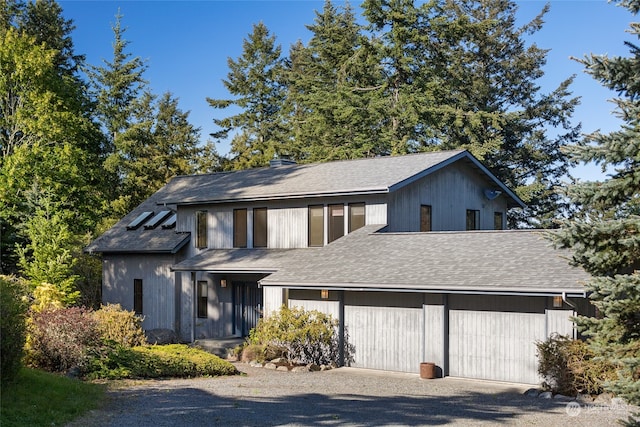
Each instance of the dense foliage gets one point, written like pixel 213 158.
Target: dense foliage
pixel 301 336
pixel 120 326
pixel 569 367
pixel 13 309
pixel 604 233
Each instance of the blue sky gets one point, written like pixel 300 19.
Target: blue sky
pixel 186 45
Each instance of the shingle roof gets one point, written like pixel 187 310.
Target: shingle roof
pixel 514 261
pixel 119 239
pixel 361 176
pixel 243 260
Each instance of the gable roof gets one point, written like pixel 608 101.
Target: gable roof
pixel 375 175
pixel 500 262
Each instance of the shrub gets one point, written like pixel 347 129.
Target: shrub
pixel 569 367
pixel 60 339
pixel 47 296
pixel 13 308
pixel 301 336
pixel 157 361
pixel 119 325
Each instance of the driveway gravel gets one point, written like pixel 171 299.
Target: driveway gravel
pixel 339 397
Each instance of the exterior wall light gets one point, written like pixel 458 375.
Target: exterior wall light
pixel 223 283
pixel 324 294
pixel 557 301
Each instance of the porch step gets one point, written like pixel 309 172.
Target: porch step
pixel 219 346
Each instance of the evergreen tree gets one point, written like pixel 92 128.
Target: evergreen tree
pixel 255 79
pixel 604 234
pixel 488 101
pixel 334 95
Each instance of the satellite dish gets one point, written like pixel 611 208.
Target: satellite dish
pixel 491 194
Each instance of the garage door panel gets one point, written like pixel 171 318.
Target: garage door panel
pixel 494 345
pixel 385 337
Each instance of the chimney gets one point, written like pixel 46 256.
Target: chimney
pixel 281 161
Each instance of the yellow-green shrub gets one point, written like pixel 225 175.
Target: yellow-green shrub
pixel 119 325
pixel 13 308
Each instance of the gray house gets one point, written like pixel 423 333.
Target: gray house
pixel 410 253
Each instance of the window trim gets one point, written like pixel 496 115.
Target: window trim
pixel 240 239
pixel 202 238
pixel 138 296
pixel 264 236
pixel 335 230
pixel 319 208
pixel 423 217
pixel 351 217
pixel 202 309
pixel 495 218
pixel 476 219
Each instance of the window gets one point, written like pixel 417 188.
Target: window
pixel 137 296
pixel 201 229
pixel 203 292
pixel 425 218
pixel 336 222
pixel 356 216
pixel 260 228
pixel 473 219
pixel 497 221
pixel 316 225
pixel 239 228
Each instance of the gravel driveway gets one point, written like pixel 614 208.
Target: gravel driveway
pixel 345 397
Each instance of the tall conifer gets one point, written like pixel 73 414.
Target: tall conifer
pixel 605 231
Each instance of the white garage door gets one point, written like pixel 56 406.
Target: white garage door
pixel 495 345
pixel 386 338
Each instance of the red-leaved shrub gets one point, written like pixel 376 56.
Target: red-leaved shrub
pixel 60 339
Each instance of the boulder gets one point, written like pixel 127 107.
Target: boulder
pixel 545 395
pixel 532 392
pixel 161 336
pixel 300 369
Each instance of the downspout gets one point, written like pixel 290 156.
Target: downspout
pixel 193 307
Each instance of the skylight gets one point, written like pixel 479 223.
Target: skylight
pixel 153 222
pixel 139 220
pixel 171 222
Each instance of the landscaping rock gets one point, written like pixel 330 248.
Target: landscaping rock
pixel 271 365
pixel 300 369
pixel 545 395
pixel 161 336
pixel 562 398
pixel 313 368
pixel 282 368
pixel 73 372
pixel 255 364
pixel 603 399
pixel 532 392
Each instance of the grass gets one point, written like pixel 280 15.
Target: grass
pixel 37 398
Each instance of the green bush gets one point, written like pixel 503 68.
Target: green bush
pixel 569 367
pixel 13 308
pixel 120 326
pixel 157 361
pixel 300 336
pixel 60 339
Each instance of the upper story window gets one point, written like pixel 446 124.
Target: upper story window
pixel 336 222
pixel 201 229
pixel 425 218
pixel 473 219
pixel 498 223
pixel 316 225
pixel 260 227
pixel 137 296
pixel 239 228
pixel 356 216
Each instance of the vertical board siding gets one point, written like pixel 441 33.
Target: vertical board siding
pixel 331 308
pixel 495 345
pixel 450 192
pixel 287 227
pixel 434 334
pixel 272 299
pixel 559 322
pixel 158 291
pixel 386 338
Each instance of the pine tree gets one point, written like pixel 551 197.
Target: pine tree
pixel 605 231
pixel 255 79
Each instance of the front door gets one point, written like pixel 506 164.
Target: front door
pixel 247 307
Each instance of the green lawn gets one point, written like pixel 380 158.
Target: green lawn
pixel 37 398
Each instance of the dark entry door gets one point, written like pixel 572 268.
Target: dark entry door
pixel 247 306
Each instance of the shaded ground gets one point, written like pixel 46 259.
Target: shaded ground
pixel 345 396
